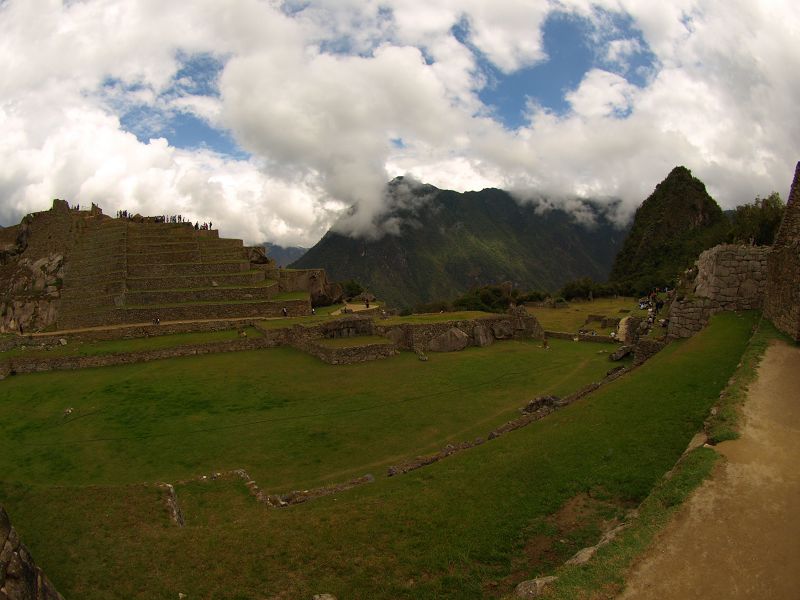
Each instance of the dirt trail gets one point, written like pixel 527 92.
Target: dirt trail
pixel 738 536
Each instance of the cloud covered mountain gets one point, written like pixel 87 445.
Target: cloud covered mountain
pixel 436 244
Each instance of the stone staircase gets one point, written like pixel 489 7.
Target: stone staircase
pixel 127 272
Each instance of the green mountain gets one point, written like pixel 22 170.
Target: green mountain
pixel 670 229
pixel 283 255
pixel 442 243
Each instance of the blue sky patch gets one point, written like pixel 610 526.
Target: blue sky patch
pixel 197 76
pixel 574 46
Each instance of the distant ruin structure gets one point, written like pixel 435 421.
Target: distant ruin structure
pixel 782 302
pixel 67 268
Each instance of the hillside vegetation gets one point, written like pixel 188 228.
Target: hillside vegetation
pixel 670 229
pixel 446 243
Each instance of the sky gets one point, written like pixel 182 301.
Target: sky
pixel 274 119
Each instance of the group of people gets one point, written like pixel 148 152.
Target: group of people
pixel 653 303
pixel 125 214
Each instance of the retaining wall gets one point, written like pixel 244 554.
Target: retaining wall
pixel 728 277
pixel 782 304
pixel 70 363
pixel 517 324
pixel 583 337
pixel 352 354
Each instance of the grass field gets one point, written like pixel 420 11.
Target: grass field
pixel 287 418
pixel 573 317
pixel 470 526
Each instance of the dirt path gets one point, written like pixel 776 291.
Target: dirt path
pixel 738 536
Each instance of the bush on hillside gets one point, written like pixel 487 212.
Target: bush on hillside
pixel 757 223
pixel 487 298
pixel 351 288
pixel 588 288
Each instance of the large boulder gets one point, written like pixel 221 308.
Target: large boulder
pixel 451 340
pixel 503 330
pixel 525 325
pixel 627 330
pixel 482 336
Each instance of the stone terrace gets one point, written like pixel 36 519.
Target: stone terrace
pixel 122 271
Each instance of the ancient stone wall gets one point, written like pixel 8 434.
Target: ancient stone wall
pixel 315 281
pixel 190 312
pixel 32 268
pixel 423 337
pixel 689 315
pixel 121 333
pixel 645 348
pixel 351 354
pixel 734 276
pixel 581 337
pixel 782 303
pixel 726 277
pixel 20 365
pixel 20 577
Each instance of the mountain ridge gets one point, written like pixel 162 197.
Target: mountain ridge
pixel 441 243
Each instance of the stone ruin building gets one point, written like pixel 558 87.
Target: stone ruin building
pixel 736 277
pixel 66 268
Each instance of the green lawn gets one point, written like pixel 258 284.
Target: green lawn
pixel 573 317
pixel 286 417
pixel 129 345
pixel 467 527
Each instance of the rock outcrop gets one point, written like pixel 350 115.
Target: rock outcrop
pixel 451 340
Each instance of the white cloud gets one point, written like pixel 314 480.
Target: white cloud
pixel 317 91
pixel 620 51
pixel 602 94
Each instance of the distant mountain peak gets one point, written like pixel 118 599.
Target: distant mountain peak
pixel 671 227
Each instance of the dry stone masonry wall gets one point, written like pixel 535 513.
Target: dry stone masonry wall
pixel 726 277
pixel 449 336
pixel 782 303
pixel 20 578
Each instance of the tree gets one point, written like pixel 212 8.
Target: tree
pixel 352 288
pixel 757 223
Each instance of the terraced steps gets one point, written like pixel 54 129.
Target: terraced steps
pixel 210 294
pixel 188 268
pixel 243 278
pixel 164 257
pixel 136 272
